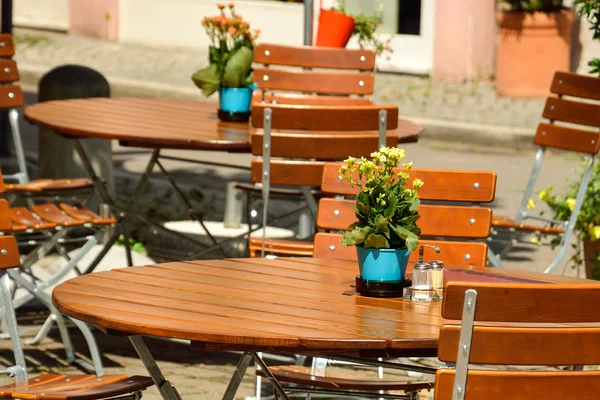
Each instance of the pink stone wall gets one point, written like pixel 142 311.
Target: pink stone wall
pixel 464 43
pixel 94 18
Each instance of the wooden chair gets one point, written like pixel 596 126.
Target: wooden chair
pixel 553 135
pixel 300 139
pixel 458 222
pixel 11 98
pixel 344 75
pixel 524 325
pixel 50 386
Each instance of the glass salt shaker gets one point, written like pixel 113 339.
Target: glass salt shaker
pixel 421 290
pixel 437 279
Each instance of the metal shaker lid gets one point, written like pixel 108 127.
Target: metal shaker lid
pixel 436 264
pixel 422 265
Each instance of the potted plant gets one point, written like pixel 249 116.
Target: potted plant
pixel 230 59
pixel 387 211
pixel 587 227
pixel 336 27
pixel 534 41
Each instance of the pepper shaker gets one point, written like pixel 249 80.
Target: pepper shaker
pixel 437 279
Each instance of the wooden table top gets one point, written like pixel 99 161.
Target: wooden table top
pixel 156 123
pixel 286 304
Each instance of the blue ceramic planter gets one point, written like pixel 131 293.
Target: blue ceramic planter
pixel 382 265
pixel 234 103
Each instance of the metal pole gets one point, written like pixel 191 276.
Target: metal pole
pixel 308 22
pixel 7 16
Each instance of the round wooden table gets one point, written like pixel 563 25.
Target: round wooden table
pixel 285 305
pixel 156 123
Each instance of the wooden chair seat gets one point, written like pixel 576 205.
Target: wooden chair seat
pixel 86 215
pixel 499 221
pixel 75 387
pixel 281 247
pixel 306 376
pixel 50 212
pixel 24 218
pixel 51 185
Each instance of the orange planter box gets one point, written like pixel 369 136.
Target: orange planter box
pixel 531 47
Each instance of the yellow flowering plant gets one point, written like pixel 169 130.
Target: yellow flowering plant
pixel 587 226
pixel 386 209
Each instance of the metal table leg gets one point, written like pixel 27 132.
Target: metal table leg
pixel 276 385
pixel 237 376
pixel 167 391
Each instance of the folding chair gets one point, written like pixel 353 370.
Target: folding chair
pixel 311 136
pixel 508 324
pixel 50 386
pixel 13 99
pixel 465 221
pixel 557 136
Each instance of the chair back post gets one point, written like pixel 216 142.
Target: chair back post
pixel 382 128
pixel 266 155
pixel 19 371
pixel 464 344
pixel 22 176
pixel 583 185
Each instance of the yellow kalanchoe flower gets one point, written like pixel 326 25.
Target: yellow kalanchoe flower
pixel 407 165
pixel 530 203
pixel 418 184
pixel 594 232
pixel 571 203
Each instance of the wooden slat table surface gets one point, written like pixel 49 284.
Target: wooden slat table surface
pixel 286 304
pixel 157 123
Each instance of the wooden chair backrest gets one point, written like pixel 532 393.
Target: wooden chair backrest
pixel 9 251
pixel 7 48
pixel 318 133
pixel 546 336
pixel 359 82
pixel 573 111
pixel 449 221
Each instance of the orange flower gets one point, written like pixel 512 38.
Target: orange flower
pixel 231 5
pixel 232 30
pixel 221 6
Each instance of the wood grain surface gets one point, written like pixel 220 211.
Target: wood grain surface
pixel 296 305
pixel 155 123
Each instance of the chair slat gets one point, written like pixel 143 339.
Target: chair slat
pixel 7 48
pixel 539 303
pixel 569 84
pixel 562 137
pixel 315 82
pixel 310 100
pixel 443 221
pixel 572 111
pixel 8 71
pixel 329 245
pixel 321 146
pixel 524 345
pixel 5 221
pixel 442 185
pixel 11 96
pixel 289 173
pixel 324 118
pixel 314 57
pixel 525 385
pixel 9 256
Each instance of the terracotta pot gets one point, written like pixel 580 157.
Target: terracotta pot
pixel 590 253
pixel 334 30
pixel 531 47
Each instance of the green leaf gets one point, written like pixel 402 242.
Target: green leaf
pixel 207 79
pixel 414 205
pixel 238 67
pixel 411 239
pixel 381 223
pixel 357 236
pixel 391 208
pixel 376 241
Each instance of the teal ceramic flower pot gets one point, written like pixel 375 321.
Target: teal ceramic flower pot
pixel 382 265
pixel 234 103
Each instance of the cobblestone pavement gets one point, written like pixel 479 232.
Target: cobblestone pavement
pixel 449 111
